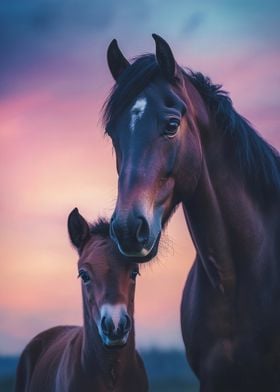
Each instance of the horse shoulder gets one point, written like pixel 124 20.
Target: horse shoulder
pixel 205 315
pixel 188 311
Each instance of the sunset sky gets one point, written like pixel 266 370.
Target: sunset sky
pixel 54 157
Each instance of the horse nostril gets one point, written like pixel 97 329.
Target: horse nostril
pixel 112 230
pixel 130 233
pixel 142 232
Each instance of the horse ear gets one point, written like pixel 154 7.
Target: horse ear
pixel 116 61
pixel 165 58
pixel 78 229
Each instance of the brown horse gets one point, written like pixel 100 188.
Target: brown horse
pixel 101 355
pixel 178 139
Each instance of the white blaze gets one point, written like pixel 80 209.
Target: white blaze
pixel 137 111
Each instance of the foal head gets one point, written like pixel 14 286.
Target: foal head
pixel 152 116
pixel 108 281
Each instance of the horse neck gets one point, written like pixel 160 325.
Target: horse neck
pixel 225 223
pixel 104 364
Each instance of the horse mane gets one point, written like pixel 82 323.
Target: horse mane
pixel 100 227
pixel 257 162
pixel 255 159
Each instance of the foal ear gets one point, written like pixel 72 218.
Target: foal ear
pixel 116 61
pixel 78 229
pixel 165 58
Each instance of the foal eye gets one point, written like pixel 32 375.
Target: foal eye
pixel 84 276
pixel 134 273
pixel 171 127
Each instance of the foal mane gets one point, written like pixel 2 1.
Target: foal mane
pixel 256 161
pixel 100 227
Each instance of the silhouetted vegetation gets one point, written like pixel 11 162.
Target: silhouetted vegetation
pixel 7 384
pixel 168 371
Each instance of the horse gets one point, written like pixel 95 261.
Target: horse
pixel 178 139
pixel 100 355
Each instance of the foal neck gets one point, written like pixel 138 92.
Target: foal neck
pixel 108 366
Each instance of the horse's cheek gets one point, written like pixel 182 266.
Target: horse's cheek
pixel 190 160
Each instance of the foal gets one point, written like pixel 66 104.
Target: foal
pixel 101 355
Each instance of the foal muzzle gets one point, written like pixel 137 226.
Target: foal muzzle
pixel 115 325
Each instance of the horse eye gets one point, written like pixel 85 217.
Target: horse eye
pixel 84 275
pixel 172 127
pixel 134 273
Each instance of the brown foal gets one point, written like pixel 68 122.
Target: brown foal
pixel 100 355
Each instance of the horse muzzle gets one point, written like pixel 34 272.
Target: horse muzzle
pixel 135 237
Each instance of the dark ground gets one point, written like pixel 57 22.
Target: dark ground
pixel 168 371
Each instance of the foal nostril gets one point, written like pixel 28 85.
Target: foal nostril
pixel 142 232
pixel 124 324
pixel 127 324
pixel 107 326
